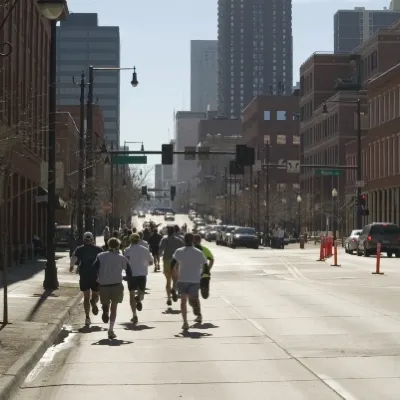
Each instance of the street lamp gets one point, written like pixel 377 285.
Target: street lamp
pixel 334 219
pixel 299 200
pixel 53 10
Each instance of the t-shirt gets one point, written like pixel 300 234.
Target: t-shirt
pixel 169 245
pixel 191 262
pixel 206 251
pixel 86 255
pixel 109 266
pixel 154 241
pixel 139 258
pixel 144 244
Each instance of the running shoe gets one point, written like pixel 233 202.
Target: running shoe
pixel 139 304
pixel 169 302
pixel 95 309
pixel 174 295
pixel 87 321
pixel 199 319
pixel 111 335
pixel 185 326
pixel 135 319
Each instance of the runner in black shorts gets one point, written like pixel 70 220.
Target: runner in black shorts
pixel 154 243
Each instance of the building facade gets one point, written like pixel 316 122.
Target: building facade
pixel 353 27
pixel 203 75
pixel 255 51
pixel 24 77
pixel 81 42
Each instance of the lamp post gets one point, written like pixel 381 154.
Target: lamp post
pixel 89 136
pixel 334 219
pixel 299 200
pixel 53 10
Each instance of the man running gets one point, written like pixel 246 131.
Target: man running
pixel 154 243
pixel 206 274
pixel 85 256
pixel 109 266
pixel 177 231
pixel 187 264
pixel 168 246
pixel 139 258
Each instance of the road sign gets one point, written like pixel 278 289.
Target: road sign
pixel 122 160
pixel 328 172
pixel 293 166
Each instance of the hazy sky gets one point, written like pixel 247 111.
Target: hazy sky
pixel 155 36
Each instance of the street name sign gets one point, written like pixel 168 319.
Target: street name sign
pixel 328 172
pixel 122 160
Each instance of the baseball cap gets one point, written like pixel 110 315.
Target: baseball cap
pixel 88 236
pixel 135 237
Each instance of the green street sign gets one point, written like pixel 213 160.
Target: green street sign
pixel 328 172
pixel 122 160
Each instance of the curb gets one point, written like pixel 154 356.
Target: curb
pixel 14 377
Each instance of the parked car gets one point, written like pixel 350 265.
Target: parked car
pixel 243 237
pixel 169 217
pixel 203 230
pixel 351 242
pixel 64 234
pixel 219 234
pixel 385 233
pixel 141 214
pixel 197 227
pixel 211 233
pixel 227 233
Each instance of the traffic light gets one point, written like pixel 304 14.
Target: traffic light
pixel 167 154
pixel 245 155
pixel 363 201
pixel 173 193
pixel 235 168
pixel 144 190
pixel 357 200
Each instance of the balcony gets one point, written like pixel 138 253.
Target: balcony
pixel 352 83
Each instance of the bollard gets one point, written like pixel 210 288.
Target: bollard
pixel 326 247
pixel 321 250
pixel 330 247
pixel 335 264
pixel 378 260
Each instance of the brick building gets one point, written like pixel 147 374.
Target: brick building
pixel 339 80
pixel 24 89
pixel 380 150
pixel 274 119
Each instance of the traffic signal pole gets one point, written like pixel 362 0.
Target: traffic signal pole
pixel 359 216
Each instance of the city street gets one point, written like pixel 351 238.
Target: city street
pixel 278 325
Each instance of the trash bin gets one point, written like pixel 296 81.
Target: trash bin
pixel 302 242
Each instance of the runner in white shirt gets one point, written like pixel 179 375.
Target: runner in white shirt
pixel 190 263
pixel 143 242
pixel 139 258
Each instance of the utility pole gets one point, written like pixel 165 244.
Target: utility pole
pixel 267 207
pixel 359 175
pixel 251 191
pixel 230 197
pixel 226 196
pixel 258 192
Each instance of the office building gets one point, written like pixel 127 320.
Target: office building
pixel 158 176
pixel 255 51
pixel 353 27
pixel 81 42
pixel 203 75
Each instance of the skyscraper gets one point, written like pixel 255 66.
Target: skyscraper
pixel 203 75
pixel 353 27
pixel 81 42
pixel 254 51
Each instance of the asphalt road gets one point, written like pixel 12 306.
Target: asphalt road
pixel 278 325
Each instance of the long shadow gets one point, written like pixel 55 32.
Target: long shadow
pixel 91 329
pixel 111 342
pixel 42 298
pixel 207 325
pixel 171 311
pixel 193 335
pixel 130 326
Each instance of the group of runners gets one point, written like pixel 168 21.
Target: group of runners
pixel 186 265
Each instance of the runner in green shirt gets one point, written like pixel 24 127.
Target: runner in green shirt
pixel 206 275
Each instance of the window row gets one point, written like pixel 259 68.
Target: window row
pixel 384 108
pixel 327 127
pixel 280 115
pixel 283 139
pixel 329 156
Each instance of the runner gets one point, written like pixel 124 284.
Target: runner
pixel 85 256
pixel 168 246
pixel 109 266
pixel 206 274
pixel 139 258
pixel 187 264
pixel 142 242
pixel 177 231
pixel 154 243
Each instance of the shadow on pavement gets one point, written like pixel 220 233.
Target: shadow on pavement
pixel 109 342
pixel 193 335
pixel 91 329
pixel 207 325
pixel 41 300
pixel 23 272
pixel 130 326
pixel 171 311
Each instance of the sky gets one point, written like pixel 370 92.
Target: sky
pixel 155 37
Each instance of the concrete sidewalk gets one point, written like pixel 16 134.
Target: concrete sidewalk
pixel 36 318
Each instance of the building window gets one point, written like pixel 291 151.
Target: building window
pixel 296 139
pixel 281 115
pixel 267 115
pixel 281 139
pixel 267 139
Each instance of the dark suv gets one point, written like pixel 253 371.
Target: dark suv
pixel 387 234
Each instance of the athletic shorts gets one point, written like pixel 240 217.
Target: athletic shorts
pixel 167 266
pixel 155 252
pixel 192 289
pixel 88 283
pixel 111 293
pixel 137 283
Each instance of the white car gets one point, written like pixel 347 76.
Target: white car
pixel 169 217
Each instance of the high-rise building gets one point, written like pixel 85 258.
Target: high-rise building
pixel 255 51
pixel 203 75
pixel 353 27
pixel 158 176
pixel 81 42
